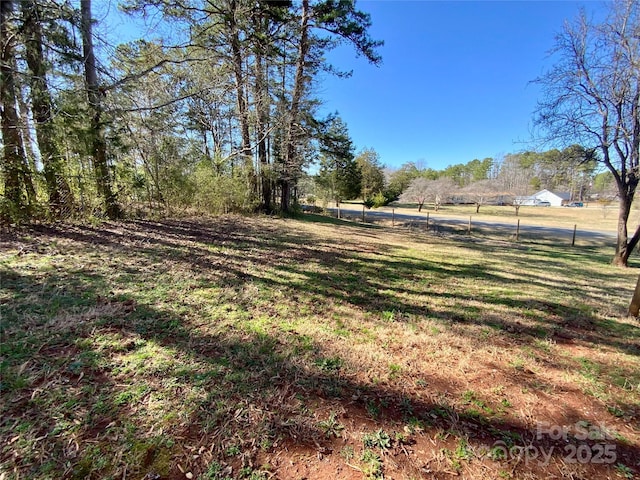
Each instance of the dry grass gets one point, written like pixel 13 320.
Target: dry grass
pixel 266 348
pixel 593 216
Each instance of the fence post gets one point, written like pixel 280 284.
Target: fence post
pixel 363 212
pixel 393 217
pixel 338 211
pixel 469 227
pixel 573 240
pixel 427 221
pixel 518 231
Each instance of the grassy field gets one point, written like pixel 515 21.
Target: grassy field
pixel 256 348
pixel 592 216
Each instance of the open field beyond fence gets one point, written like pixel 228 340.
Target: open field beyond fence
pixel 593 224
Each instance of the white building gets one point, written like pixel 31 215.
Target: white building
pixel 543 196
pixel 555 199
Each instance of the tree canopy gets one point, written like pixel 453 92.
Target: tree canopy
pixel 223 103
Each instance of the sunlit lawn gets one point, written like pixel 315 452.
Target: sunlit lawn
pixel 266 348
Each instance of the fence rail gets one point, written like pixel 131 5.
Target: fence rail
pixel 517 230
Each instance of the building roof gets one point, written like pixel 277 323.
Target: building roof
pixel 561 195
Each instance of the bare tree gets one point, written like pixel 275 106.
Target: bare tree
pixel 481 192
pixel 416 192
pixel 421 189
pixel 441 190
pixel 592 97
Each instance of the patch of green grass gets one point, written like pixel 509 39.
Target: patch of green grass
pixel 233 450
pixel 213 472
pixel 518 363
pixel 615 411
pixel 388 316
pixel 329 365
pixel 589 369
pixel 461 454
pixel 394 370
pixel 462 451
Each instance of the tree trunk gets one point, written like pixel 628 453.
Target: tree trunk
pixel 238 73
pixel 94 95
pixel 634 307
pixel 261 95
pixel 13 161
pixel 28 158
pixel 477 207
pixel 60 199
pixel 296 97
pixel 623 246
pixel 420 207
pixel 23 110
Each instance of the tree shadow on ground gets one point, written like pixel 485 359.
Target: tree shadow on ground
pixel 71 341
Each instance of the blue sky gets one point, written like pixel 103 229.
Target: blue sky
pixel 455 80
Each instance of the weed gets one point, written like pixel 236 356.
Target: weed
pixel 415 425
pixel 589 369
pixel 331 427
pixel 497 453
pixel 373 409
pixel 469 396
pixel 394 370
pixel 266 444
pixel 213 472
pixel 518 363
pixel 400 438
pixel 507 437
pixel 624 471
pixel 372 466
pixel 329 365
pixel 347 453
pixel 233 451
pixel 406 407
pixel 462 450
pixel 378 439
pixel 388 316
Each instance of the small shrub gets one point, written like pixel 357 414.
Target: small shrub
pixel 331 427
pixel 371 464
pixel 379 439
pixel 379 200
